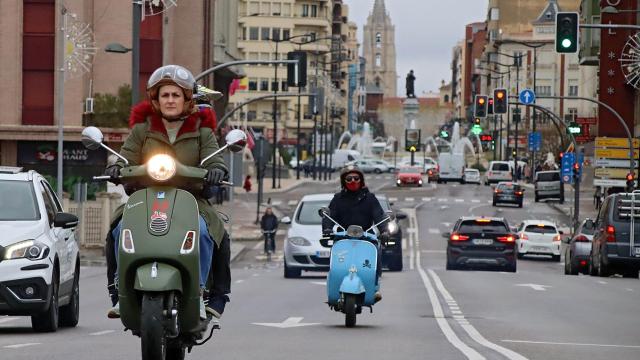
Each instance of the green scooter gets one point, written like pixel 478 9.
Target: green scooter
pixel 158 259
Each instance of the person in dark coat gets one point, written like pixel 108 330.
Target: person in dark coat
pixel 356 205
pixel 269 224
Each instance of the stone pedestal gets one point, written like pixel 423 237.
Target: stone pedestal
pixel 410 109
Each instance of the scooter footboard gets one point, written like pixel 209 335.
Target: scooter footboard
pixel 158 277
pixel 352 270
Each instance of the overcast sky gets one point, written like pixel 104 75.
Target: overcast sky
pixel 426 32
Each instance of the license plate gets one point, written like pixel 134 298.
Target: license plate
pixel 482 241
pixel 539 249
pixel 636 251
pixel 323 254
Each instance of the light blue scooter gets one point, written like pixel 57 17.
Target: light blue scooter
pixel 351 283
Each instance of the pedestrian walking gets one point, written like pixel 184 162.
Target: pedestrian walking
pixel 247 183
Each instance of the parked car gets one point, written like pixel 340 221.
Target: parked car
pixel 508 193
pixel 293 163
pixel 548 186
pixel 40 261
pixel 392 252
pixel 614 249
pixel 498 171
pixel 471 176
pixel 578 249
pixel 373 166
pixel 538 237
pixel 381 162
pixel 481 241
pixel 341 157
pixel 409 176
pixel 302 248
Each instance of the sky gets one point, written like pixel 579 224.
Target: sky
pixel 426 32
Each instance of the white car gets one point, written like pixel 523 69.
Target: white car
pixel 39 256
pixel 471 176
pixel 538 237
pixel 302 248
pixel 374 166
pixel 498 171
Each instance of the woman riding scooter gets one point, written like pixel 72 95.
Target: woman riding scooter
pixel 355 205
pixel 176 127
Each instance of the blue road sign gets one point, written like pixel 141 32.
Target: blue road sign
pixel 535 141
pixel 527 96
pixel 567 168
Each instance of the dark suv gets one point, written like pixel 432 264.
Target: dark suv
pixel 616 240
pixel 481 242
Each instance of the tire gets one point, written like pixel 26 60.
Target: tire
pixel 450 265
pixel 569 269
pixel 520 255
pixel 377 171
pixel 520 204
pixel 70 313
pixel 592 269
pixel 630 274
pixel 513 267
pixel 602 271
pixel 152 337
pixel 175 350
pixel 562 200
pixel 349 310
pixel 555 258
pixel 396 264
pixel 494 203
pixel 463 181
pixel 47 321
pixel 290 273
pixel 536 198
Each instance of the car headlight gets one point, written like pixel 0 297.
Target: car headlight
pixel 399 181
pixel 299 241
pixel 161 167
pixel 420 181
pixel 393 227
pixel 28 249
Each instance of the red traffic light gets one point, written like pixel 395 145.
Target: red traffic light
pixel 629 177
pixel 561 155
pixel 490 101
pixel 576 166
pixel 486 138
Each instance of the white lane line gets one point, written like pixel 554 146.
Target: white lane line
pixel 571 344
pixel 473 333
pixel 412 252
pixel 434 231
pixel 441 320
pixel 276 202
pixel 239 281
pixel 602 282
pixel 475 201
pixel 410 230
pixel 409 199
pixel 8 319
pixel 323 283
pixel 426 199
pixel 391 199
pixel 459 200
pixel 442 200
pixel 255 275
pixel 18 346
pixel 99 333
pixel 292 202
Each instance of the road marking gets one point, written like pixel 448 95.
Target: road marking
pixel 473 333
pixel 602 282
pixel 292 322
pixel 293 202
pixel 239 281
pixel 101 333
pixel 255 275
pixel 276 202
pixel 628 289
pixel 259 245
pixel 409 199
pixel 323 283
pixel 443 207
pixel 434 251
pixel 434 231
pixel 459 200
pixel 442 200
pixel 404 243
pixel 426 199
pixel 8 319
pixel 393 199
pixel 535 286
pixel 446 224
pixel 18 346
pixel 571 344
pixel 475 201
pixel 410 230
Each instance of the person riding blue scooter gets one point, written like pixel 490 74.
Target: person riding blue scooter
pixel 355 254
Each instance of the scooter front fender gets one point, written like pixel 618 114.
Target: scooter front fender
pixel 352 284
pixel 158 277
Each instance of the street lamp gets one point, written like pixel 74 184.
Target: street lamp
pixel 116 48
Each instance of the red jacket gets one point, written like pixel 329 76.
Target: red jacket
pixel 143 110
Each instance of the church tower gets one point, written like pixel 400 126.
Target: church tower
pixel 380 50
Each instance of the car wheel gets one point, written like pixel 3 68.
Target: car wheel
pixel 48 320
pixel 562 200
pixel 290 273
pixel 569 268
pixel 592 269
pixel 520 204
pixel 451 265
pixel 377 171
pixel 494 203
pixel 70 313
pixel 603 270
pixel 396 264
pixel 513 267
pixel 536 198
pixel 555 258
pixel 463 181
pixel 520 255
pixel 630 273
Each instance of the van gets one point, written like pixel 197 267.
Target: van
pixel 343 156
pixel 498 171
pixel 451 167
pixel 548 185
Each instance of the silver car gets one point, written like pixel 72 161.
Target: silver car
pixel 578 249
pixel 302 248
pixel 471 176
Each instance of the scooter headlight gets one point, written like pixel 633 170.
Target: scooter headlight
pixel 161 167
pixel 393 227
pixel 28 249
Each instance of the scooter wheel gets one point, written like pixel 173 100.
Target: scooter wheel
pixel 350 310
pixel 152 337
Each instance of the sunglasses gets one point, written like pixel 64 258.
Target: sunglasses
pixel 352 178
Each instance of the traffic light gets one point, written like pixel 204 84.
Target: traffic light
pixel 630 182
pixel 486 138
pixel 576 171
pixel 514 153
pixel 567 31
pixel 299 78
pixel 476 121
pixel 444 134
pixel 490 107
pixel 481 103
pixel 500 99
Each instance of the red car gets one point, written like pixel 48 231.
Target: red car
pixel 409 176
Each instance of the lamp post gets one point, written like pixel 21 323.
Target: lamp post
pixel 118 48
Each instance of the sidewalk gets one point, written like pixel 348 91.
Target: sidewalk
pixel 587 207
pixel 285 185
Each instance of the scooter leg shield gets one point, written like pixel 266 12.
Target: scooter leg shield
pixel 352 284
pixel 161 278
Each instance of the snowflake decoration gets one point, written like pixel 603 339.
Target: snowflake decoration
pixel 612 55
pixel 155 7
pixel 611 72
pixel 630 61
pixel 611 90
pixel 79 47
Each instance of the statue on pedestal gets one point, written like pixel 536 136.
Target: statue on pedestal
pixel 409 85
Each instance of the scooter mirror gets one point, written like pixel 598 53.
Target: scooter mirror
pixel 323 211
pixel 92 138
pixel 391 215
pixel 236 139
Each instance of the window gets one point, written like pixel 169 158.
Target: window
pixel 48 204
pixel 543 90
pixel 573 113
pixel 275 34
pixel 52 195
pixel 378 40
pixel 314 10
pixel 286 33
pixel 254 8
pixel 253 33
pixel 251 115
pixel 285 86
pixel 264 84
pixel 308 213
pixel 495 14
pixel 573 87
pixel 305 10
pixel 286 9
pixel 274 86
pixel 265 33
pixel 18 201
pixel 253 84
pixel 378 60
pixel 266 8
pixel 275 9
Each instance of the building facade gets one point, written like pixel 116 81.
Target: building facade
pixel 380 51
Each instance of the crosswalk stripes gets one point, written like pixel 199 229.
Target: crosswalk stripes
pixel 434 231
pixel 409 199
pixel 459 200
pixel 426 199
pixel 276 202
pixel 292 202
pixel 475 201
pixel 393 199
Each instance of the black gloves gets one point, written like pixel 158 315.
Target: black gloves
pixel 384 238
pixel 214 177
pixel 113 172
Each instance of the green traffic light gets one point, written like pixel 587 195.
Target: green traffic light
pixel 566 43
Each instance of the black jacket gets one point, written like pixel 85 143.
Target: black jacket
pixel 269 222
pixel 355 208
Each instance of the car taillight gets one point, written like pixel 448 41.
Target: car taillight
pixel 506 239
pixel 498 191
pixel 490 173
pixel 524 236
pixel 458 237
pixel 581 238
pixel 430 172
pixel 518 192
pixel 611 234
pixel 556 238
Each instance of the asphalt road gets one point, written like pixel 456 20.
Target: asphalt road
pixel 426 311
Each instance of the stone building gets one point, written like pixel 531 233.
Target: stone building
pixel 379 50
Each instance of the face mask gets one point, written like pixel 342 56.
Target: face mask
pixel 353 186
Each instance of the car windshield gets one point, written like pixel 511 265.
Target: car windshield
pixel 550 176
pixel 500 167
pixel 18 201
pixel 587 231
pixel 410 171
pixel 538 229
pixel 475 226
pixel 508 187
pixel 308 213
pixel 471 171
